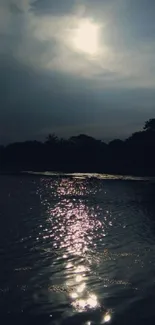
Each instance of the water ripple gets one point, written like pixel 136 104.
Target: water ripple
pixel 79 248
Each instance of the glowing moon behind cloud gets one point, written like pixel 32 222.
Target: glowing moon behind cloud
pixel 86 37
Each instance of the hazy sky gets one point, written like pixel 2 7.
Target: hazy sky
pixel 73 67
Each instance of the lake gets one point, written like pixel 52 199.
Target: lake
pixel 77 249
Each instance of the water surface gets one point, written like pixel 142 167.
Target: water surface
pixel 77 250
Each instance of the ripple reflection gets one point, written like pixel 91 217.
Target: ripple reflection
pixel 75 229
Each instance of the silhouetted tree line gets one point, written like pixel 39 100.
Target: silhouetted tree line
pixel 135 155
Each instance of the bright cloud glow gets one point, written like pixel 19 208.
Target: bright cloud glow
pixel 85 37
pixel 78 43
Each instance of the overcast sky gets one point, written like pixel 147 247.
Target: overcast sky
pixel 49 82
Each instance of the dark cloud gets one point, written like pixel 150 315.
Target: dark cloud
pixel 54 7
pixel 35 104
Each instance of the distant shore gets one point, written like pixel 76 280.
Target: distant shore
pixel 78 175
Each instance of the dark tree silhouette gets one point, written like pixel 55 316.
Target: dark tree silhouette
pixel 117 143
pixel 84 139
pixel 150 125
pixel 83 153
pixel 51 139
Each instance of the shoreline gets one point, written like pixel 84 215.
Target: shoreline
pixel 100 176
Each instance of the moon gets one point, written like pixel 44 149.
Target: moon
pixel 86 37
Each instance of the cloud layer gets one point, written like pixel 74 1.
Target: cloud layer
pixel 46 82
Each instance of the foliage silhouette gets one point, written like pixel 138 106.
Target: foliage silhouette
pixel 150 125
pixel 82 153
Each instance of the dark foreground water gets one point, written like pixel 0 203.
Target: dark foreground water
pixel 76 251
